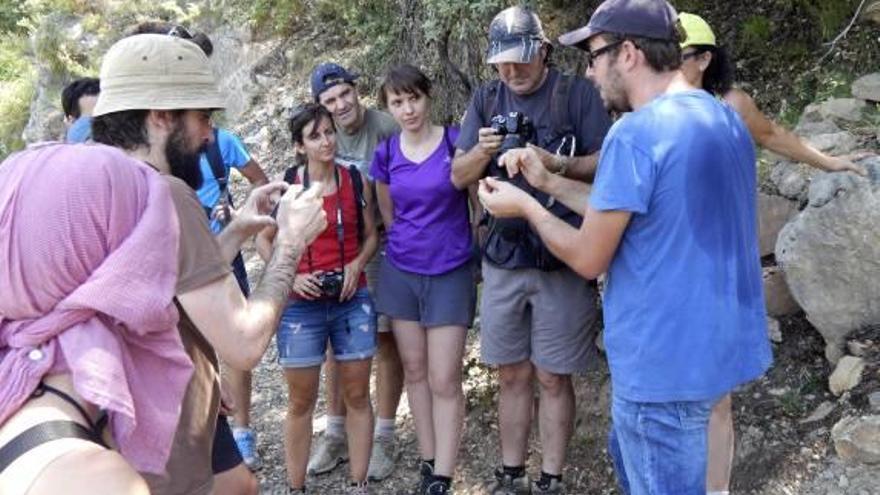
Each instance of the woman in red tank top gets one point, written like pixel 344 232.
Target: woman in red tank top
pixel 330 302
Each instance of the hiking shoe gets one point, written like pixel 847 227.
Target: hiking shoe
pixel 438 487
pixel 330 451
pixel 426 474
pixel 246 441
pixel 359 488
pixel 296 491
pixel 382 458
pixel 506 484
pixel 554 488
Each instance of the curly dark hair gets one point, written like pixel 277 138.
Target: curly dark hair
pixel 86 86
pixel 126 129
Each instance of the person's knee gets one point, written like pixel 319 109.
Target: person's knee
pixel 301 404
pixel 553 384
pixel 357 396
pixel 445 385
pixel 415 372
pixel 516 376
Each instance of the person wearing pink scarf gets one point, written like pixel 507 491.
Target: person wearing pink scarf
pixel 88 267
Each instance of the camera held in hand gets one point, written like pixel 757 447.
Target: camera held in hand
pixel 331 284
pixel 516 129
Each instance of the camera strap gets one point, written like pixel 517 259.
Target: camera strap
pixel 340 229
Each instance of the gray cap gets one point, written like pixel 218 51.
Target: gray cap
pixel 654 19
pixel 515 35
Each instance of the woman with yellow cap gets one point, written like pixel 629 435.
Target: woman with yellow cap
pixel 707 65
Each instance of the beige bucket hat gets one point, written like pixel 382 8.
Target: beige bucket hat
pixel 156 72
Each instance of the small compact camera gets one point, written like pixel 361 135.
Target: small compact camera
pixel 331 284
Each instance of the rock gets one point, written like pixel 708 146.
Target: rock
pixel 857 349
pixel 836 143
pixel 830 254
pixel 867 87
pixel 792 180
pixel 857 440
pixel 847 374
pixel 777 297
pixel 847 109
pixel 773 330
pixel 821 412
pixel 807 129
pixel 872 13
pixel 874 400
pixel 773 213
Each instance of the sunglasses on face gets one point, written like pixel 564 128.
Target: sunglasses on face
pixel 594 55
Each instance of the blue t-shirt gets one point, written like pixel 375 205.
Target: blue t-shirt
pixel 234 156
pixel 684 304
pixel 81 130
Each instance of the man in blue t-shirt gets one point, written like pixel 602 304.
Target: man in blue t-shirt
pixel 534 324
pixel 229 153
pixel 671 219
pixel 78 99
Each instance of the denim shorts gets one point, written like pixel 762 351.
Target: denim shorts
pixel 659 448
pixel 307 326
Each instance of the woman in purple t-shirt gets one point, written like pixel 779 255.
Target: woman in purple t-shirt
pixel 426 283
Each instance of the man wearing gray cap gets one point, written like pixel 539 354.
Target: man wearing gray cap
pixel 157 95
pixel 671 219
pixel 537 317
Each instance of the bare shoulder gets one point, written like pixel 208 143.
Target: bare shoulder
pixel 740 101
pixel 77 471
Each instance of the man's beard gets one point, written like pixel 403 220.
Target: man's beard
pixel 613 95
pixel 184 163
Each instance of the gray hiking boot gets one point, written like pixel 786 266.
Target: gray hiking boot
pixel 382 458
pixel 506 484
pixel 330 451
pixel 555 487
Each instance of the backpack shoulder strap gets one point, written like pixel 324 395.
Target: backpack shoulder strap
pixel 357 183
pixel 490 100
pixel 215 159
pixel 291 174
pixel 560 111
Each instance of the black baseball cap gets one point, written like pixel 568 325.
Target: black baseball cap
pixel 327 75
pixel 515 35
pixel 654 19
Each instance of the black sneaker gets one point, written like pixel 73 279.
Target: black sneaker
pixel 426 471
pixel 438 487
pixel 506 484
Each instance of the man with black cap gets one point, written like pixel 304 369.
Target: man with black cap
pixel 358 130
pixel 537 317
pixel 671 219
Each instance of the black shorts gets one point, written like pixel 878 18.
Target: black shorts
pixel 225 454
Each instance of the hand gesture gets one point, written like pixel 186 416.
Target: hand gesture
pixel 503 199
pixel 845 163
pixel 528 162
pixel 255 214
pixel 301 213
pixel 351 276
pixel 489 142
pixel 306 286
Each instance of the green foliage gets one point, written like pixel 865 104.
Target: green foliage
pixel 11 12
pixel 15 99
pixel 831 15
pixel 756 31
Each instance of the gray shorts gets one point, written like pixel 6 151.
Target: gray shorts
pixel 372 273
pixel 550 318
pixel 431 300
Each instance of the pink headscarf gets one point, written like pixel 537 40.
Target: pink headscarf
pixel 88 267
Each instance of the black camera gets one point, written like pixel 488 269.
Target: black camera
pixel 516 128
pixel 331 284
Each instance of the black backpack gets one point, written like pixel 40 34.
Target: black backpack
pixel 512 243
pixel 357 182
pixel 218 168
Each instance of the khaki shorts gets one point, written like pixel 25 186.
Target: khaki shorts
pixel 550 318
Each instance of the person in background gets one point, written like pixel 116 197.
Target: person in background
pixel 358 130
pixel 77 100
pixel 707 65
pixel 330 301
pixel 426 284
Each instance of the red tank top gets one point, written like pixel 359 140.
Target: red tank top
pixel 323 254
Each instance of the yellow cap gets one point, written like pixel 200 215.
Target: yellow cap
pixel 696 30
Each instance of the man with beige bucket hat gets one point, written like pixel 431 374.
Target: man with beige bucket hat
pixel 157 96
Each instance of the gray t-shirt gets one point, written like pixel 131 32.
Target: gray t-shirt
pixel 357 149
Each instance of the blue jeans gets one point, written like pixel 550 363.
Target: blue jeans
pixel 659 448
pixel 307 326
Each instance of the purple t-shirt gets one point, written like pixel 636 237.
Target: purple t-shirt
pixel 431 233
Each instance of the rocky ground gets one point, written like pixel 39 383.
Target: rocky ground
pixel 783 424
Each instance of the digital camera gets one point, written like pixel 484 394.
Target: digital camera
pixel 331 284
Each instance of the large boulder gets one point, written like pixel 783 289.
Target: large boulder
pixel 845 109
pixel 792 180
pixel 867 87
pixel 857 440
pixel 831 254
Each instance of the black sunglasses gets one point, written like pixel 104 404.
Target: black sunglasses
pixel 592 56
